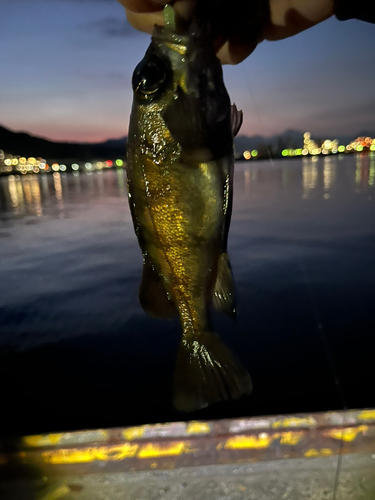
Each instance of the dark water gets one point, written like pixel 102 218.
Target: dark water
pixel 77 351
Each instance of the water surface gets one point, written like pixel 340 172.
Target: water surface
pixel 76 349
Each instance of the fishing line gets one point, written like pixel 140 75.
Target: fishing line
pixel 304 274
pixel 323 336
pixel 321 330
pixel 314 307
pixel 339 463
pixel 333 369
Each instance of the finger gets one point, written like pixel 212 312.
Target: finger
pixel 238 46
pixel 289 17
pixel 234 53
pixel 184 7
pixel 313 11
pixel 295 25
pixel 145 21
pixel 142 5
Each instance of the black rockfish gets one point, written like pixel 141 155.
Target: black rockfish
pixel 180 174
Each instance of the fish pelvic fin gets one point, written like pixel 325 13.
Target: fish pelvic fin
pixel 224 296
pixel 207 372
pixel 152 295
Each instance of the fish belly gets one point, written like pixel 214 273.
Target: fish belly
pixel 180 215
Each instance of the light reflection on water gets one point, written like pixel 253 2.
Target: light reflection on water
pixel 279 207
pixel 47 194
pixel 41 194
pixel 302 247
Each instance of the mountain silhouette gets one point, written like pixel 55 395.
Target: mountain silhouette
pixel 24 144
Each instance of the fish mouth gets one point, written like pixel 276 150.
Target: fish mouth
pixel 167 37
pixel 176 32
pixel 180 34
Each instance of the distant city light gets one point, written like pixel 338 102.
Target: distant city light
pixel 21 165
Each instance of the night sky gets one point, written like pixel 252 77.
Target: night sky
pixel 67 66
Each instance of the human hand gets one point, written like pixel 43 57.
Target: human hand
pixel 237 29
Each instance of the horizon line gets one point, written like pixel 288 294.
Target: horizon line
pixel 62 141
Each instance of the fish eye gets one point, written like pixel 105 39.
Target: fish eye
pixel 149 77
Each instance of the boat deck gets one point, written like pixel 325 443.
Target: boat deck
pixel 307 456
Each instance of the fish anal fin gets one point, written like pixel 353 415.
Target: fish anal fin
pixel 152 295
pixel 207 372
pixel 236 118
pixel 224 297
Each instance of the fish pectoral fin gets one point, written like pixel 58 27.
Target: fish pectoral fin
pixel 201 138
pixel 224 296
pixel 183 119
pixel 207 372
pixel 236 119
pixel 152 295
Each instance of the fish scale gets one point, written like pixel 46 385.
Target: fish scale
pixel 180 176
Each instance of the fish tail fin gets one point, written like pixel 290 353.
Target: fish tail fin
pixel 207 372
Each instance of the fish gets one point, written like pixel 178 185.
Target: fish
pixel 180 160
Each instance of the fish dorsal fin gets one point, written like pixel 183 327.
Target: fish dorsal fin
pixel 236 118
pixel 224 297
pixel 152 295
